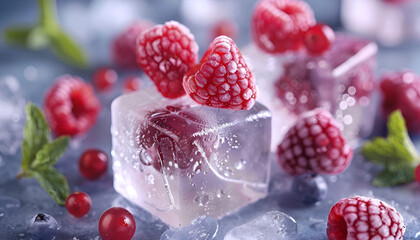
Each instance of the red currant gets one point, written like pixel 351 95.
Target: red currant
pixel 318 38
pixel 93 164
pixel 417 173
pixel 105 79
pixel 117 224
pixel 78 204
pixel 131 83
pixel 225 27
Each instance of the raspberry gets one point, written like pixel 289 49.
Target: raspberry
pixel 166 53
pixel 401 90
pixel 314 144
pixel 169 138
pixel 123 47
pixel 318 38
pixel 131 84
pixel 222 79
pixel 105 79
pixel 224 27
pixel 277 25
pixel 71 106
pixel 363 218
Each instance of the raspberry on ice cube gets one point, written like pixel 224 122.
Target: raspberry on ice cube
pixel 180 160
pixel 340 80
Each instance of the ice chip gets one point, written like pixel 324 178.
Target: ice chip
pixel 273 225
pixel 201 228
pixel 340 80
pixel 179 160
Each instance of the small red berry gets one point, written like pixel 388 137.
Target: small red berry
pixel 363 218
pixel 165 53
pixel 117 224
pixel 131 84
pixel 277 25
pixel 417 173
pixel 223 79
pixel 315 145
pixel 225 28
pixel 71 106
pixel 318 38
pixel 105 79
pixel 93 164
pixel 78 204
pixel 123 48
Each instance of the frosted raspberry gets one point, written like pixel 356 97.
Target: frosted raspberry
pixel 71 106
pixel 277 25
pixel 222 79
pixel 224 27
pixel 166 53
pixel 314 144
pixel 123 47
pixel 363 218
pixel 401 90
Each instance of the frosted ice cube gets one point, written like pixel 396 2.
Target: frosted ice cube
pixel 11 115
pixel 201 228
pixel 179 160
pixel 340 80
pixel 390 23
pixel 274 225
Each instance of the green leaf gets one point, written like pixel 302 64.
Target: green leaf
pixel 34 38
pixel 51 152
pixel 47 15
pixel 396 153
pixel 35 134
pixel 67 49
pixel 387 178
pixel 54 183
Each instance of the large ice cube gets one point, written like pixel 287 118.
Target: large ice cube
pixel 201 228
pixel 340 80
pixel 179 160
pixel 271 225
pixel 392 23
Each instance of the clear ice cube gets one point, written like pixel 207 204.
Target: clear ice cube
pixel 11 115
pixel 390 23
pixel 201 228
pixel 179 160
pixel 340 80
pixel 274 225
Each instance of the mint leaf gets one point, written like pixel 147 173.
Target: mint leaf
pixel 47 15
pixel 387 177
pixel 51 152
pixel 67 49
pixel 54 183
pixel 396 153
pixel 35 134
pixel 17 35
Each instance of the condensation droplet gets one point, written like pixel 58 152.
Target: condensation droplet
pixel 220 193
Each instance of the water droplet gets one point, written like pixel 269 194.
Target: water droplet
pixel 228 172
pixel 9 202
pixel 150 179
pixel 220 193
pixel 240 164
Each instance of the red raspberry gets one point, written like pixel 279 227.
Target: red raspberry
pixel 318 38
pixel 363 218
pixel 314 144
pixel 71 106
pixel 169 138
pixel 417 173
pixel 277 25
pixel 123 47
pixel 225 28
pixel 401 90
pixel 222 79
pixel 131 83
pixel 166 53
pixel 105 79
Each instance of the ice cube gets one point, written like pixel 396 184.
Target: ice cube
pixel 340 80
pixel 271 225
pixel 201 228
pixel 392 23
pixel 179 160
pixel 11 115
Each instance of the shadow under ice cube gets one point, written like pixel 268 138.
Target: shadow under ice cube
pixel 179 160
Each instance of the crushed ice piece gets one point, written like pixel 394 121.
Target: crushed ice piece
pixel 201 228
pixel 274 225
